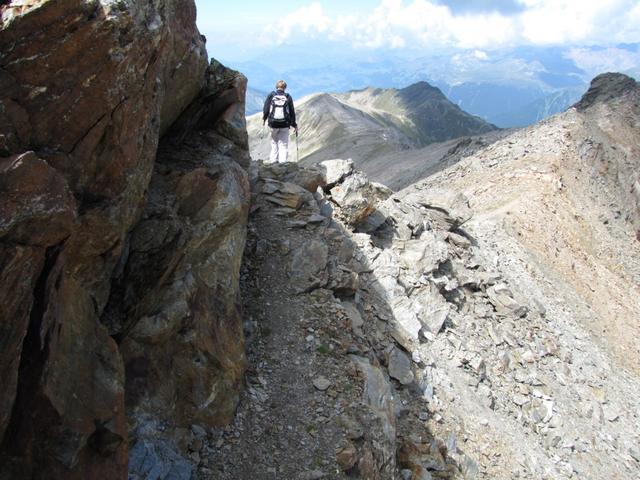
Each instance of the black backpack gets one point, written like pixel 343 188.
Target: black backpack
pixel 279 114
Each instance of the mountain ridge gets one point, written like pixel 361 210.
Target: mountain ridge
pixel 370 123
pixel 491 304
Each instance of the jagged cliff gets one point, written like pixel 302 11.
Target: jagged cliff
pixel 122 225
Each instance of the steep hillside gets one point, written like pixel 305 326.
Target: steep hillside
pixel 371 123
pixel 554 210
pixel 398 170
pixel 254 101
pixel 567 193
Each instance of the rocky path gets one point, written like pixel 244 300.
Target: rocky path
pixel 287 423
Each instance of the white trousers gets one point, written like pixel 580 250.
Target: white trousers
pixel 279 145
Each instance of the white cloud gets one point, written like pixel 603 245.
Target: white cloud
pixel 572 21
pixel 309 21
pixel 595 62
pixel 427 24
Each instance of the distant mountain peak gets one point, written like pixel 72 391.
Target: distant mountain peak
pixel 605 88
pixel 421 85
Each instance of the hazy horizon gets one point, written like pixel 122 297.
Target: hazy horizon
pixel 533 51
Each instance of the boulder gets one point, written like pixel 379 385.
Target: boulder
pixel 357 196
pixel 310 177
pixel 448 209
pixel 174 307
pixel 405 322
pixel 378 448
pixel 422 255
pixel 308 269
pixel 335 171
pixel 400 366
pixel 286 194
pixel 343 281
pixel 502 299
pixel 351 197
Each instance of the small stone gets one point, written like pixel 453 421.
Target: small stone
pixel 297 224
pixel 520 400
pixel 423 416
pixel 406 474
pixel 548 405
pixel 427 393
pixel 321 383
pixel 336 170
pixel 400 367
pixel 610 413
pixel 416 357
pixel 528 357
pixel 479 366
pixel 198 431
pixel 347 457
pixel 315 218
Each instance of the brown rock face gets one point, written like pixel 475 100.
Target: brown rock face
pixel 175 305
pixel 88 291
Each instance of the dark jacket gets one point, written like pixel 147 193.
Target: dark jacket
pixel 267 108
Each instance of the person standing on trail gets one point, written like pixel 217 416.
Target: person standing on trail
pixel 278 110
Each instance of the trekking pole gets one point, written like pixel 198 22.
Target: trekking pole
pixel 297 149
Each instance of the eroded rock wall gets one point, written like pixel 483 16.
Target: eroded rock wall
pixel 87 89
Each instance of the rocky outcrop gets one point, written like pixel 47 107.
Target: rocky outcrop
pixel 607 87
pixel 119 269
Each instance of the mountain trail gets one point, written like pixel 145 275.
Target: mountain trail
pixel 298 383
pixel 329 394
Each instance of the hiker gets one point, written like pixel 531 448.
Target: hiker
pixel 278 110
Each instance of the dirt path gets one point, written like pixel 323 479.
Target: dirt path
pixel 286 428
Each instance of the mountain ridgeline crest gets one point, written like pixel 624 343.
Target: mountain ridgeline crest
pixel 370 123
